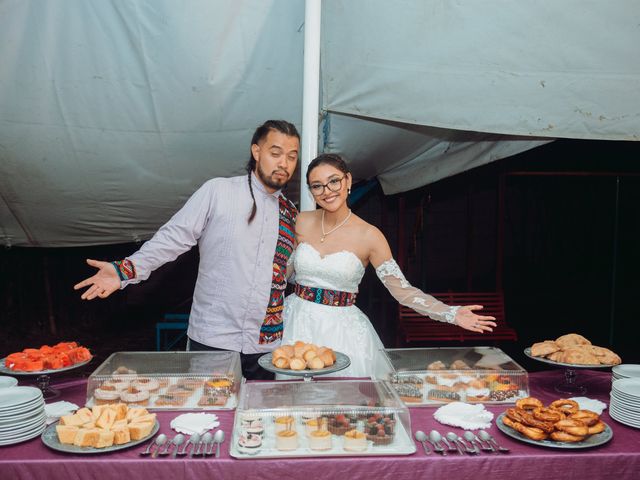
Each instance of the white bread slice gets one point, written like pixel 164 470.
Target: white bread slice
pixel 119 423
pixel 86 415
pixel 105 439
pixel 136 412
pixel 107 417
pixel 66 433
pixel 121 410
pixel 149 417
pixel 71 419
pixel 140 430
pixel 86 437
pixel 121 435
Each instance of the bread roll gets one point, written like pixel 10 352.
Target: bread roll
pixel 297 364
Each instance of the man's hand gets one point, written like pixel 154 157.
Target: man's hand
pixel 102 284
pixel 468 320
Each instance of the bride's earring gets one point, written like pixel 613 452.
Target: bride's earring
pixel 348 191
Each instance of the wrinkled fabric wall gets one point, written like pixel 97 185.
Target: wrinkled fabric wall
pixel 544 68
pixel 112 112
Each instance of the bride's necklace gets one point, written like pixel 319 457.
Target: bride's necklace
pixel 324 234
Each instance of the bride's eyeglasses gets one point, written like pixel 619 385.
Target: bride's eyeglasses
pixel 333 185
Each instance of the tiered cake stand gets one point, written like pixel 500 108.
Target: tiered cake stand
pixel 569 385
pixel 43 377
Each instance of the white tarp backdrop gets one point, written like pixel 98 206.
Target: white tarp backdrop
pixel 112 112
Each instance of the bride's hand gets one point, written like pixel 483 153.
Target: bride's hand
pixel 468 320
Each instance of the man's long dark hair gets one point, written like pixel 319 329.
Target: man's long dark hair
pixel 262 131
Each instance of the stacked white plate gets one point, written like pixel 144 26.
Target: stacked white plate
pixel 625 370
pixel 6 382
pixel 625 401
pixel 22 414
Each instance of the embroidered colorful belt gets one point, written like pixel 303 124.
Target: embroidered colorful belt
pixel 323 296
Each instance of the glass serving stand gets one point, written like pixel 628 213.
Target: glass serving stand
pixel 342 362
pixel 43 377
pixel 569 384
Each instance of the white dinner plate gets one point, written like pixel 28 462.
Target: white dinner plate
pixel 21 416
pixel 626 413
pixel 23 437
pixel 626 370
pixel 7 382
pixel 28 407
pixel 20 424
pixel 628 386
pixel 17 396
pixel 624 420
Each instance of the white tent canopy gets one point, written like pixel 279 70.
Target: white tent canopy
pixel 113 112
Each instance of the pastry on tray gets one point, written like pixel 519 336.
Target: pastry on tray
pixel 574 349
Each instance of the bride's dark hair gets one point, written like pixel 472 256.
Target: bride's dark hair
pixel 332 159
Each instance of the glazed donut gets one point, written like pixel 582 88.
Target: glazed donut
pixel 133 395
pixel 548 414
pixel 146 383
pixel 529 403
pixel 565 405
pixel 597 428
pixel 572 427
pixel 587 417
pixel 561 436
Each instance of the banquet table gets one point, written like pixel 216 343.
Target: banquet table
pixel 619 458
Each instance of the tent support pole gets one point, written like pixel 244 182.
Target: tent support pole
pixel 310 96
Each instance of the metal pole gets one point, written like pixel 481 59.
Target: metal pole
pixel 310 96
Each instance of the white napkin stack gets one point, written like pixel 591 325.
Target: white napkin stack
pixel 57 409
pixel 586 403
pixel 464 415
pixel 190 423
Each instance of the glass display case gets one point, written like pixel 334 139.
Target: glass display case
pixel 321 418
pixel 434 376
pixel 167 380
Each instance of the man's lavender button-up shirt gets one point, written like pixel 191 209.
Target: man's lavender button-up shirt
pixel 236 260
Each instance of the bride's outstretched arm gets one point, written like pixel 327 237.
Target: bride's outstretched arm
pixel 391 276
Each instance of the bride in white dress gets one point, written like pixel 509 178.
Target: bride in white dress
pixel 334 247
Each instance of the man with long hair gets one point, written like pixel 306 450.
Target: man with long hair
pixel 244 229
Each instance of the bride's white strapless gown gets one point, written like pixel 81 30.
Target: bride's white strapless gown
pixel 344 329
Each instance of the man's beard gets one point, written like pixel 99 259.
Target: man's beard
pixel 271 182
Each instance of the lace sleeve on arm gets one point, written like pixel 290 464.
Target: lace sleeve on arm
pixel 391 276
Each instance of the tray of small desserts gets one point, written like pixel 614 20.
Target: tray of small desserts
pixel 304 360
pixel 434 376
pixel 574 351
pixel 101 429
pixel 167 380
pixel 561 424
pixel 311 419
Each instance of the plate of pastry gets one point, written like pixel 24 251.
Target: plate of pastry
pixel 572 350
pixel 591 441
pixel 101 429
pixel 304 359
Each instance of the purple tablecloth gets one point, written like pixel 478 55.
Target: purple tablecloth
pixel 619 458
